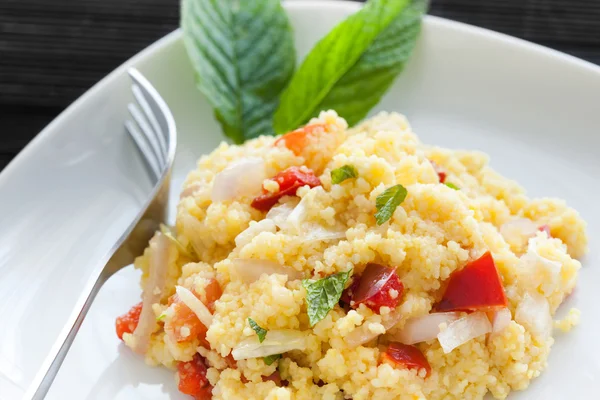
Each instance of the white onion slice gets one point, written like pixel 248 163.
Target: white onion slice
pixel 276 342
pixel 246 236
pixel 424 328
pixel 159 259
pixel 501 320
pixel 243 178
pixel 280 213
pixel 546 271
pixel 464 329
pixel 250 270
pixel 518 228
pixel 362 334
pixel 189 299
pixel 533 312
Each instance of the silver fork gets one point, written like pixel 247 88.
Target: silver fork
pixel 152 129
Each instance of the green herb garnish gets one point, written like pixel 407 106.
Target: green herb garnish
pixel 261 332
pixel 351 68
pixel 271 359
pixel 388 201
pixel 161 316
pixel 243 54
pixel 339 175
pixel 452 186
pixel 323 294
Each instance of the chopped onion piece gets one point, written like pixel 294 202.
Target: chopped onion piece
pixel 424 328
pixel 243 178
pixel 189 299
pixel 316 232
pixel 159 261
pixel 279 214
pixel 464 329
pixel 250 270
pixel 546 271
pixel 518 228
pixel 298 214
pixel 362 334
pixel 276 342
pixel 501 320
pixel 245 237
pixel 310 231
pixel 533 312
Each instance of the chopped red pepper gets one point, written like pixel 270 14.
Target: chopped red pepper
pixel 192 378
pixel 183 316
pixel 297 140
pixel 127 322
pixel 407 356
pixel 439 170
pixel 476 287
pixel 545 228
pixel 289 181
pixel 378 286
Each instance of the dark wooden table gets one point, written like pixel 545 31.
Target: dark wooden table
pixel 51 51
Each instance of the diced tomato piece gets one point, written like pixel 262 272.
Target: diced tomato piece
pixel 184 317
pixel 192 378
pixel 185 326
pixel 378 286
pixel 289 181
pixel 406 356
pixel 297 140
pixel 127 322
pixel 476 287
pixel 213 293
pixel 545 228
pixel 439 170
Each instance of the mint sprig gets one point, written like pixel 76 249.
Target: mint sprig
pixel 387 202
pixel 243 54
pixel 323 294
pixel 261 332
pixel 340 174
pixel 351 68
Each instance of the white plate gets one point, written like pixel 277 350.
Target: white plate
pixel 68 195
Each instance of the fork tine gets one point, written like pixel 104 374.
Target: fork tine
pixel 149 134
pixel 158 109
pixel 150 116
pixel 142 145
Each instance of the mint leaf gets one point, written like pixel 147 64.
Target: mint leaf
pixel 387 202
pixel 452 186
pixel 261 332
pixel 271 359
pixel 339 175
pixel 323 294
pixel 351 68
pixel 243 54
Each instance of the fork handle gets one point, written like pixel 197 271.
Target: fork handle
pixel 45 376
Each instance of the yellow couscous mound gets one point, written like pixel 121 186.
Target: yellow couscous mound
pixel 436 230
